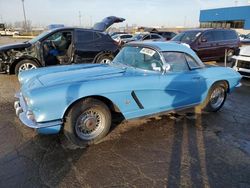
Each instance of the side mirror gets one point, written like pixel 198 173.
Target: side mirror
pixel 166 67
pixel 203 39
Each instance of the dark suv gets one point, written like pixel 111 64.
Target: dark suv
pixel 61 46
pixel 210 44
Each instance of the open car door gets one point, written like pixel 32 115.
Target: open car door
pixel 107 22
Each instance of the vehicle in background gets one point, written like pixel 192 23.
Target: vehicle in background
pixel 9 32
pixel 168 35
pixel 241 62
pixel 245 40
pixel 147 36
pixel 122 38
pixel 210 44
pixel 116 33
pixel 144 79
pixel 54 26
pixel 61 46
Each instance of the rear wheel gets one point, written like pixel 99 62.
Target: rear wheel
pixel 105 59
pixel 230 53
pixel 87 122
pixel 25 65
pixel 216 98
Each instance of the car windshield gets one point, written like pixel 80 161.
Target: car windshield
pixel 139 57
pixel 187 37
pixel 248 36
pixel 37 38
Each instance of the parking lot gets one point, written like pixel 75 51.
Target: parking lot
pixel 171 150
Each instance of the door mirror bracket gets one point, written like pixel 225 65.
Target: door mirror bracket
pixel 166 67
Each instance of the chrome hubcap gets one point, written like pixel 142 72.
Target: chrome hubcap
pixel 230 54
pixel 217 97
pixel 105 61
pixel 27 66
pixel 90 124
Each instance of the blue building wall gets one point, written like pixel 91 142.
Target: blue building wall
pixel 227 14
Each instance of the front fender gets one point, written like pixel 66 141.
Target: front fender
pixel 51 103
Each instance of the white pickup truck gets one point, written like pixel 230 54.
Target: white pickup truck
pixel 8 32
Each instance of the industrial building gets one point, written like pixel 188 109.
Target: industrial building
pixel 231 17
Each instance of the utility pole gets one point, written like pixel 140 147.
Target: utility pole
pixel 80 18
pixel 25 20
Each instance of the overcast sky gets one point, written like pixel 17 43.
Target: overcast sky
pixel 169 13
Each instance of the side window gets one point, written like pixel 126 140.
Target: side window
pixel 147 37
pixel 155 37
pixel 218 35
pixel 55 37
pixel 191 62
pixel 208 36
pixel 230 35
pixel 61 40
pixel 85 36
pixel 177 61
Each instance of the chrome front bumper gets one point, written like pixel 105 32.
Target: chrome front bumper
pixel 21 110
pixel 239 84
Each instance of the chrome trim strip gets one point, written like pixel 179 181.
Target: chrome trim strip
pixel 239 85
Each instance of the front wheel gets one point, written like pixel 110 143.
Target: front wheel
pixel 229 55
pixel 87 122
pixel 216 98
pixel 25 65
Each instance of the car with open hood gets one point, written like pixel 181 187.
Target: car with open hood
pixel 61 46
pixel 144 79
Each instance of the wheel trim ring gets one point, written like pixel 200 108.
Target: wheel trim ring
pixel 82 120
pixel 27 66
pixel 105 61
pixel 217 97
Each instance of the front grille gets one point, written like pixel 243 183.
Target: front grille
pixel 243 64
pixel 244 73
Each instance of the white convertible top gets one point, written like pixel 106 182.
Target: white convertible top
pixel 244 54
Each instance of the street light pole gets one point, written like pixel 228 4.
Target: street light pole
pixel 25 20
pixel 80 19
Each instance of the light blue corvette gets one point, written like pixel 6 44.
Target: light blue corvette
pixel 145 78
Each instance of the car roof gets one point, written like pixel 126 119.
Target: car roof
pixel 73 28
pixel 170 46
pixel 161 46
pixel 207 29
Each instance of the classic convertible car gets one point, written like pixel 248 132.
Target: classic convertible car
pixel 145 78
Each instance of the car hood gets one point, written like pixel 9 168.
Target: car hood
pixel 107 22
pixel 72 75
pixel 14 46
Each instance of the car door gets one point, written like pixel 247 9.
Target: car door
pixel 181 86
pixel 177 88
pixel 206 47
pixel 221 42
pixel 85 49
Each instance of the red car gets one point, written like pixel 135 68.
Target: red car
pixel 210 44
